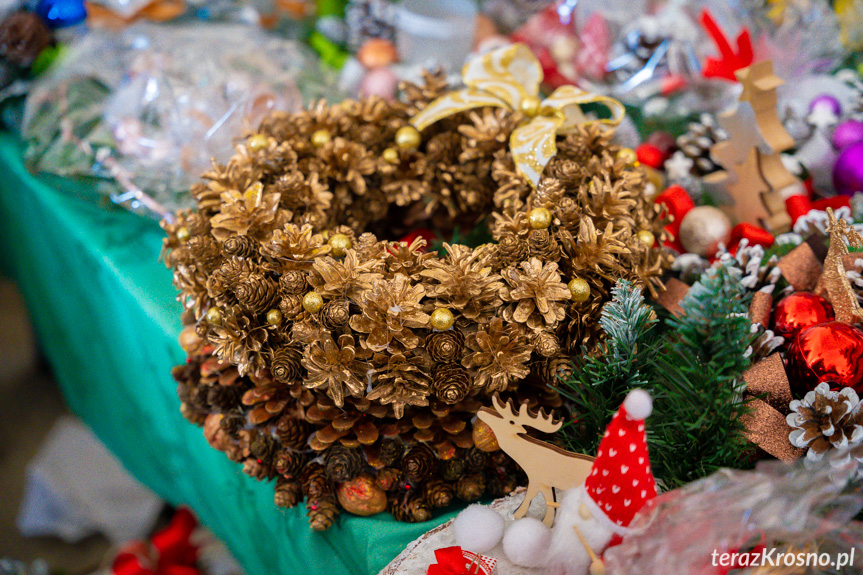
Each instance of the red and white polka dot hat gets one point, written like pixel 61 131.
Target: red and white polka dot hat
pixel 621 482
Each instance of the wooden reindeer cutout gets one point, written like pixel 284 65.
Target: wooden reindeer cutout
pixel 547 466
pixel 833 279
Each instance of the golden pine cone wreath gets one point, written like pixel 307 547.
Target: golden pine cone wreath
pixel 315 335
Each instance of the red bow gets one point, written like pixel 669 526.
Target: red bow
pixel 798 206
pixel 169 552
pixel 451 561
pixel 730 60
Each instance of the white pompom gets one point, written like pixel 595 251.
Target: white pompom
pixel 526 542
pixel 638 404
pixel 478 528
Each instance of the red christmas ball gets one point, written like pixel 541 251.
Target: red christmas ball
pixel 798 311
pixel 831 351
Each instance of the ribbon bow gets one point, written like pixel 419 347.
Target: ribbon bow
pixel 509 78
pixel 169 552
pixel 455 561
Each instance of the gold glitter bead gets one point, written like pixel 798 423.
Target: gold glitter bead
pixel 183 234
pixel 258 142
pixel 391 156
pixel 530 105
pixel 539 218
pixel 646 237
pixel 579 289
pixel 214 316
pixel 629 156
pixel 408 137
pixel 313 302
pixel 442 319
pixel 274 317
pixel 340 244
pixel 321 138
pixel 483 437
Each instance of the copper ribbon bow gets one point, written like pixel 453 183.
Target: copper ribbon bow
pixel 509 78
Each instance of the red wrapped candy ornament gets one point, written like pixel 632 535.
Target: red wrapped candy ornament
pixel 830 351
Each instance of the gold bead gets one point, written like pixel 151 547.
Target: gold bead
pixel 646 237
pixel 391 156
pixel 321 138
pixel 313 302
pixel 258 142
pixel 214 316
pixel 540 218
pixel 628 155
pixel 530 105
pixel 408 137
pixel 579 289
pixel 340 244
pixel 274 317
pixel 183 234
pixel 442 319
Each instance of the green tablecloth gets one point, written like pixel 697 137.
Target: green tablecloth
pixel 105 312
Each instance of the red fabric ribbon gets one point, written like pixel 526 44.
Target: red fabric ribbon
pixel 729 60
pixel 753 234
pixel 450 561
pixel 799 206
pixel 678 202
pixel 169 551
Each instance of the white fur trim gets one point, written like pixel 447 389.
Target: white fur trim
pixel 638 404
pixel 602 517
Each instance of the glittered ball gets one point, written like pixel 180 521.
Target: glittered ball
pixel 831 351
pixel 391 156
pixel 847 134
pixel 183 234
pixel 628 156
pixel 258 142
pixel 848 170
pixel 214 316
pixel 408 137
pixel 321 138
pixel 340 244
pixel 539 218
pixel 274 317
pixel 442 319
pixel 483 437
pixel 799 311
pixel 313 302
pixel 646 237
pixel 579 289
pixel 826 101
pixel 702 230
pixel 530 105
pixel 361 496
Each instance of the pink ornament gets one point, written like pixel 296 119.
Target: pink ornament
pixel 379 82
pixel 595 44
pixel 848 170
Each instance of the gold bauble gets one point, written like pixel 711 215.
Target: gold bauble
pixel 183 234
pixel 530 105
pixel 483 437
pixel 629 156
pixel 579 289
pixel 340 244
pixel 408 137
pixel 703 228
pixel 321 138
pixel 258 142
pixel 646 237
pixel 391 156
pixel 214 316
pixel 189 339
pixel 361 496
pixel 313 302
pixel 274 317
pixel 540 218
pixel 442 319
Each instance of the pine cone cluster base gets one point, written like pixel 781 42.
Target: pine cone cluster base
pixel 319 353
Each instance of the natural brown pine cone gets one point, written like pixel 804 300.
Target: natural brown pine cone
pixel 289 463
pixel 446 346
pixel 543 246
pixel 225 397
pixel 438 492
pixel 257 469
pixel 825 419
pixel 470 487
pixel 343 463
pixel 409 507
pixel 293 282
pixel 231 423
pixel 322 512
pixel 388 478
pixel 293 432
pixel 315 482
pixel 288 492
pixel 335 314
pixel 256 292
pixel 240 247
pixel 450 382
pixel 510 250
pixel 501 484
pixel 419 462
pixel 546 344
pixel 452 469
pixel 390 451
pixel 264 447
pixel 475 459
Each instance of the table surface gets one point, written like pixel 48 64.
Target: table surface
pixel 106 316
